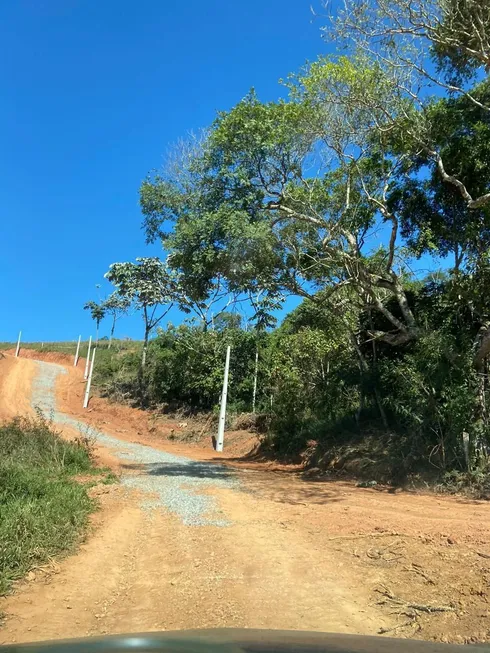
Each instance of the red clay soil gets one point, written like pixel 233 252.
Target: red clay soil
pixel 144 427
pixel 15 386
pixel 302 554
pixel 48 356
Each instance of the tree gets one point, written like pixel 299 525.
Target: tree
pixel 454 33
pixel 291 196
pixel 262 319
pixel 421 47
pixel 253 212
pixel 434 214
pixel 150 285
pixel 97 312
pixel 116 306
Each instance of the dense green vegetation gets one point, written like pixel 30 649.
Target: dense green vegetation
pixel 316 382
pixel 43 510
pixel 376 157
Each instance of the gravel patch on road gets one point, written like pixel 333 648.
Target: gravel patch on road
pixel 173 482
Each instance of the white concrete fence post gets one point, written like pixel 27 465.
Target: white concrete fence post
pixel 222 410
pixel 18 345
pixel 75 362
pixel 89 380
pixel 87 362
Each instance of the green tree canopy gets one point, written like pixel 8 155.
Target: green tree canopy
pixel 250 208
pixel 97 312
pixel 148 284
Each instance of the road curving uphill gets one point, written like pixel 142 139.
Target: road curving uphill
pixel 185 542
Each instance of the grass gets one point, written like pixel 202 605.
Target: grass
pixel 43 510
pixel 70 347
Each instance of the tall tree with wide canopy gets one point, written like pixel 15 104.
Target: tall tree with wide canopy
pixel 426 48
pixel 295 196
pixel 286 196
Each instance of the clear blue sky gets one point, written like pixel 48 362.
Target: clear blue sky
pixel 94 92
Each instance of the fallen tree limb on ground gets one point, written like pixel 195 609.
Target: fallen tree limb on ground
pixel 384 631
pixel 419 607
pixel 418 570
pixel 355 537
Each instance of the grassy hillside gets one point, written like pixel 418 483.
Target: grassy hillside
pixel 69 347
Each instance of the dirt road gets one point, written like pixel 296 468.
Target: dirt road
pixel 183 542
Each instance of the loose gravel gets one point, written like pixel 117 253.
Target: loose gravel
pixel 166 481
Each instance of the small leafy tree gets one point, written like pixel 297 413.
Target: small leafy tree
pixel 150 285
pixel 97 312
pixel 116 306
pixel 262 319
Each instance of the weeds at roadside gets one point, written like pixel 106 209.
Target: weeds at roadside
pixel 474 483
pixel 110 478
pixel 43 510
pixel 86 441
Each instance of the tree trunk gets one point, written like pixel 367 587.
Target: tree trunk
pixel 255 377
pixel 377 395
pixel 477 447
pixel 361 406
pixel 145 342
pixel 380 407
pixel 145 349
pixel 112 331
pixel 481 395
pixel 482 347
pixel 96 332
pixel 482 351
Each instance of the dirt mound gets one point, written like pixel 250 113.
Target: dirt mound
pixel 48 356
pixel 237 443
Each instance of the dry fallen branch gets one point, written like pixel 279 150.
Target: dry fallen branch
pixel 417 569
pixel 419 607
pixel 411 622
pixel 430 608
pixel 390 553
pixel 483 555
pixel 355 537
